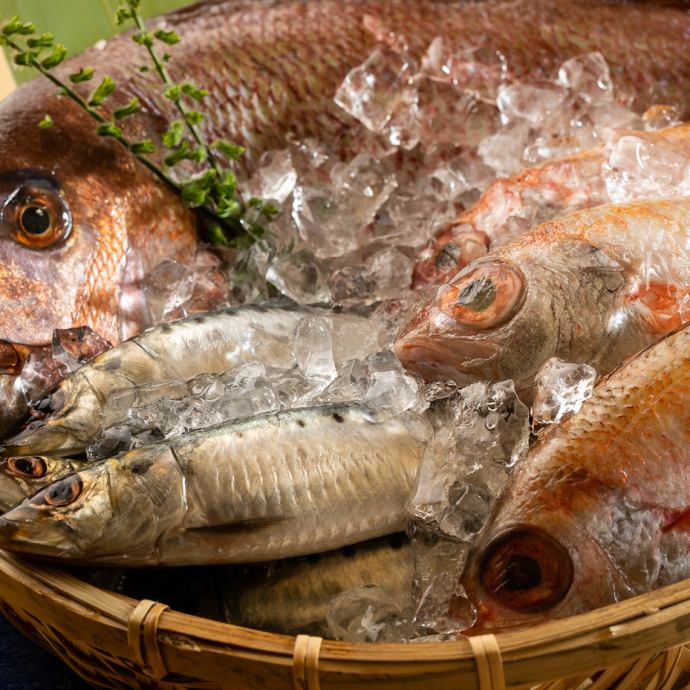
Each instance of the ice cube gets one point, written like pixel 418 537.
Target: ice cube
pixel 367 614
pixel 588 75
pixel 276 177
pixel 71 347
pixel 312 346
pixel 391 390
pixel 560 389
pixel 503 151
pixel 529 102
pixel 412 220
pixel 660 116
pixel 381 94
pixel 300 276
pixel 438 564
pixel 636 168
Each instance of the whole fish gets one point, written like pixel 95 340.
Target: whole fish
pixel 83 221
pixel 541 192
pixel 294 596
pixel 594 286
pixel 273 486
pixel 207 343
pixel 598 510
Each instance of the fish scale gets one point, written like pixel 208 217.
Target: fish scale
pixel 616 470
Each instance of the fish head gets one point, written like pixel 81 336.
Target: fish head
pixel 81 221
pixel 507 313
pixel 531 572
pixel 62 424
pixel 110 510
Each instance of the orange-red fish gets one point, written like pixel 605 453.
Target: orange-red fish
pixel 595 286
pixel 538 193
pixel 598 510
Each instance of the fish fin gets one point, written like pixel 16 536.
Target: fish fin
pixel 667 307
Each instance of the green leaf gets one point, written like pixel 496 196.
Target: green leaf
pixel 169 37
pixel 133 4
pixel 46 122
pixel 229 208
pixel 122 15
pixel 127 110
pixel 26 59
pixel 193 194
pixel 198 155
pixel 194 117
pixel 12 27
pixel 228 184
pixel 143 69
pixel 166 57
pixel 173 92
pixel 179 155
pixel 194 92
pixel 226 148
pixel 143 38
pixel 43 41
pixel 216 236
pixel 27 29
pixel 56 57
pixel 109 129
pixel 139 148
pixel 84 74
pixel 173 136
pixel 102 91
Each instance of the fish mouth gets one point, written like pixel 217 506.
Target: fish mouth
pixel 465 363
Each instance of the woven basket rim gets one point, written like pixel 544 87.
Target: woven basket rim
pixel 618 633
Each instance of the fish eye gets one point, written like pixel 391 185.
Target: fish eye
pixel 485 297
pixel 59 494
pixel 26 467
pixel 526 570
pixel 38 216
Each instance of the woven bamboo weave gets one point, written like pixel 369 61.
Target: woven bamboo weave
pixel 116 642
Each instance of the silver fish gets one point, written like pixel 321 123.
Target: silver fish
pixel 273 486
pixel 293 596
pixel 208 343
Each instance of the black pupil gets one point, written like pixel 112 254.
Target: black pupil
pixel 522 573
pixel 478 295
pixel 24 466
pixel 35 220
pixel 61 491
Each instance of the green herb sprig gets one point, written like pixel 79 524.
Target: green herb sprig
pixel 234 221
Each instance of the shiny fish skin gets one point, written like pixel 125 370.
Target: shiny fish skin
pixel 207 343
pixel 272 486
pixel 594 286
pixel 610 485
pixel 556 187
pixel 293 596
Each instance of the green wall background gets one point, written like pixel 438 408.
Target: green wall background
pixel 76 23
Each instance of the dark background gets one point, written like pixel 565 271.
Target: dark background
pixel 26 666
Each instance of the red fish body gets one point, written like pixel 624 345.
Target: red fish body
pixel 598 510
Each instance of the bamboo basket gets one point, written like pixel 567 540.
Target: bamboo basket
pixel 117 642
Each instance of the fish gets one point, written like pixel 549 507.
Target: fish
pixel 273 486
pixel 83 222
pixel 591 287
pixel 598 510
pixel 294 596
pixel 71 415
pixel 540 192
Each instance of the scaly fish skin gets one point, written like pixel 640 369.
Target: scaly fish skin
pixel 594 286
pixel 293 596
pixel 273 486
pixel 598 510
pixel 555 187
pixel 175 351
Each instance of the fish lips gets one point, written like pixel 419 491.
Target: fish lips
pixel 464 361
